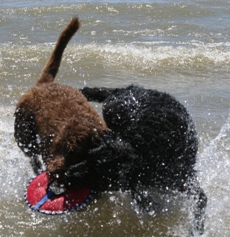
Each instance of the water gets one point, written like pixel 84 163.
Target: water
pixel 181 47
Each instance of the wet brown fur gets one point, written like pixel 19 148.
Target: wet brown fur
pixel 56 121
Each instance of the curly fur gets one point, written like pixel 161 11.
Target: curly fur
pixel 162 135
pixel 148 140
pixel 56 121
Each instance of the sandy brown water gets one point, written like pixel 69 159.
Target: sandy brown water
pixel 179 47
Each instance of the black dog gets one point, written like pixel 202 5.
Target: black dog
pixel 163 140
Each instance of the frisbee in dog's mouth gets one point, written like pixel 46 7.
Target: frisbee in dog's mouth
pixel 39 199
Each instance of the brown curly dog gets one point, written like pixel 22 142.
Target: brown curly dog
pixel 56 121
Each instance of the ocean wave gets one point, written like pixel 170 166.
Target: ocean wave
pixel 156 55
pixel 105 6
pixel 143 56
pixel 127 56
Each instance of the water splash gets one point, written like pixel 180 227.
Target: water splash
pixel 13 164
pixel 215 165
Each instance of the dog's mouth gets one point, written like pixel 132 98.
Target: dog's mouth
pixel 57 188
pixel 57 184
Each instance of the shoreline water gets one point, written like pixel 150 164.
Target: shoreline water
pixel 182 48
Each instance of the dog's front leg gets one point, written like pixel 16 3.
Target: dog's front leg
pixel 36 164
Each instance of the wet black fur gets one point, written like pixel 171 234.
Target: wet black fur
pixel 158 144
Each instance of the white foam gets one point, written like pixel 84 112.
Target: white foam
pixel 149 56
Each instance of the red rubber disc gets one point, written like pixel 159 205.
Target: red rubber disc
pixel 72 199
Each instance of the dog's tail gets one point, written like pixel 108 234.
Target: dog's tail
pixel 52 66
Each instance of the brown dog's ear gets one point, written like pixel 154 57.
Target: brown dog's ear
pixel 55 164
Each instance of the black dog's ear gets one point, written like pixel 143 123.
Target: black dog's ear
pixel 78 170
pixel 112 148
pixel 77 175
pixel 96 94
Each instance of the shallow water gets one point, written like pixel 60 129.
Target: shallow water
pixel 179 47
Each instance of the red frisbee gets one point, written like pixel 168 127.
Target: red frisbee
pixel 37 197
